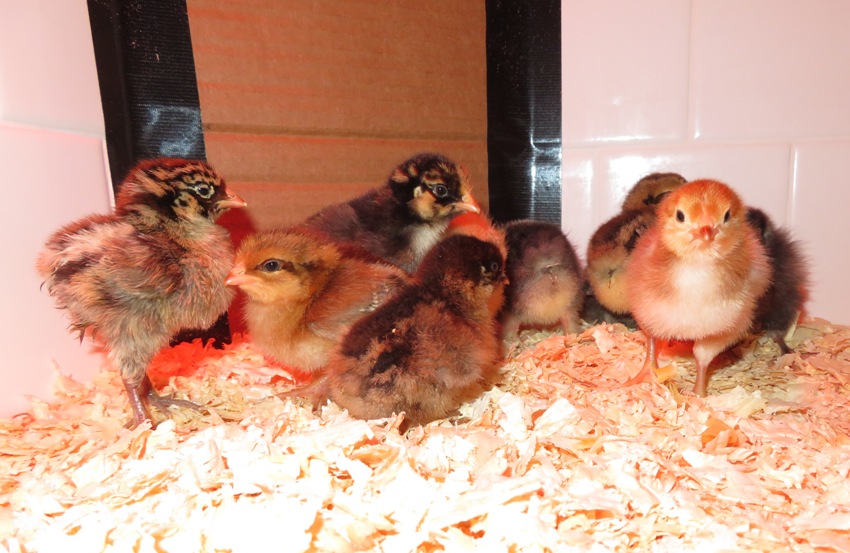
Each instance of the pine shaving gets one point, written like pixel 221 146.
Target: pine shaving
pixel 559 456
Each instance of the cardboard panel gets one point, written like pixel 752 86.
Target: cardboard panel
pixel 306 104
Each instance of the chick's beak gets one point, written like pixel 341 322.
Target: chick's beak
pixel 237 276
pixel 705 232
pixel 232 200
pixel 467 203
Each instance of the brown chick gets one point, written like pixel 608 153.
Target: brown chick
pixel 651 189
pixel 544 279
pixel 780 307
pixel 156 265
pixel 697 274
pixel 430 348
pixel 480 226
pixel 304 292
pixel 611 245
pixel 400 221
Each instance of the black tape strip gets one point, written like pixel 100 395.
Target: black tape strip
pixel 148 86
pixel 524 109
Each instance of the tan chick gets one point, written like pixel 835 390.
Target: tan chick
pixel 697 274
pixel 651 189
pixel 303 291
pixel 545 285
pixel 611 245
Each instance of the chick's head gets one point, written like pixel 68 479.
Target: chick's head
pixel 704 218
pixel 433 187
pixel 651 189
pixel 175 189
pixel 466 265
pixel 282 266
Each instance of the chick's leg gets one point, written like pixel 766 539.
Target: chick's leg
pixel 162 403
pixel 705 350
pixel 135 392
pixel 650 364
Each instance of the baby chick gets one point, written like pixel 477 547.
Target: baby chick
pixel 544 279
pixel 400 221
pixel 480 226
pixel 154 266
pixel 779 307
pixel 651 189
pixel 608 254
pixel 304 291
pixel 697 274
pixel 611 245
pixel 430 348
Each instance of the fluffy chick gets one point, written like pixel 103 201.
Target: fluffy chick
pixel 480 226
pixel 400 221
pixel 611 245
pixel 430 348
pixel 651 189
pixel 783 302
pixel 304 292
pixel 608 255
pixel 697 274
pixel 544 279
pixel 154 266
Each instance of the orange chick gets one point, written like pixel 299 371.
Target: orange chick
pixel 304 292
pixel 431 347
pixel 697 274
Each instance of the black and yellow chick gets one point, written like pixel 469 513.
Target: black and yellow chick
pixel 783 302
pixel 651 189
pixel 611 245
pixel 544 279
pixel 608 253
pixel 304 292
pixel 430 348
pixel 400 221
pixel 154 266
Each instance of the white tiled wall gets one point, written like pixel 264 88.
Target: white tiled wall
pixel 52 170
pixel 751 92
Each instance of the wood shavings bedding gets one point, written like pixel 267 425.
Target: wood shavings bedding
pixel 558 457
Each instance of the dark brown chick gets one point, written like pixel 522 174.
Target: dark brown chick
pixel 651 189
pixel 400 221
pixel 430 348
pixel 304 292
pixel 156 265
pixel 697 274
pixel 544 279
pixel 780 307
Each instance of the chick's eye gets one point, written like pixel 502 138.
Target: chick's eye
pixel 680 216
pixel 494 267
pixel 271 265
pixel 726 216
pixel 440 191
pixel 204 190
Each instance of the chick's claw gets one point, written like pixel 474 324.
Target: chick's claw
pixel 142 396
